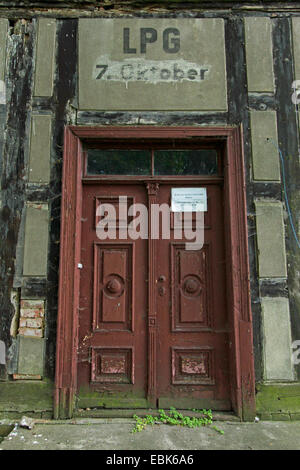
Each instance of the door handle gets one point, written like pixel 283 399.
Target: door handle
pixel 161 289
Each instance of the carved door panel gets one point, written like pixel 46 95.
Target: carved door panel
pixel 112 352
pixel 192 359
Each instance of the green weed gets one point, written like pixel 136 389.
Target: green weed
pixel 175 418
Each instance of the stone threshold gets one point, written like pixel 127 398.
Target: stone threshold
pixel 83 415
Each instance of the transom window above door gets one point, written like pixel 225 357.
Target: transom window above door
pixel 151 162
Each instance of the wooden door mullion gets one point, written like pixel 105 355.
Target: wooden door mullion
pixel 152 189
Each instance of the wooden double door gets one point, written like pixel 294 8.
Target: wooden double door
pixel 153 326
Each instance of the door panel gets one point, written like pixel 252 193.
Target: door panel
pixel 190 284
pixel 192 321
pixel 113 273
pixel 112 353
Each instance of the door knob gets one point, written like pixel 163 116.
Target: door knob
pixel 162 278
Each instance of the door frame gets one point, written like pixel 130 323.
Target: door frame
pixel 242 377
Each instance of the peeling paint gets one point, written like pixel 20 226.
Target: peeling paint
pixel 193 366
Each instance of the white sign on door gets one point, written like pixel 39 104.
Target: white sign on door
pixel 188 200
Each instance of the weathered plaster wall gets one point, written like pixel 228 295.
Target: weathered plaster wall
pixel 41 97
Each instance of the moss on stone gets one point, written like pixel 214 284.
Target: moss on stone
pixel 25 397
pixel 282 398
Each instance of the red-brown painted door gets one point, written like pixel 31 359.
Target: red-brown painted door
pixel 152 323
pixel 112 352
pixel 192 359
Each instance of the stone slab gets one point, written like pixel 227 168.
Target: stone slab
pixel 258 36
pixel 152 64
pixel 277 339
pixel 270 239
pixel 296 45
pixel 40 143
pixel 36 240
pixel 25 397
pixel 278 397
pixel 45 57
pixel 31 355
pixel 264 141
pixel 3 38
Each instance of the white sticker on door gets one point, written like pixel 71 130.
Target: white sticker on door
pixel 188 200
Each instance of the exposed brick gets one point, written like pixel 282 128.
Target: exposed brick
pixel 35 323
pixel 27 313
pixel 32 313
pixel 26 377
pixel 32 304
pixel 31 322
pixel 38 332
